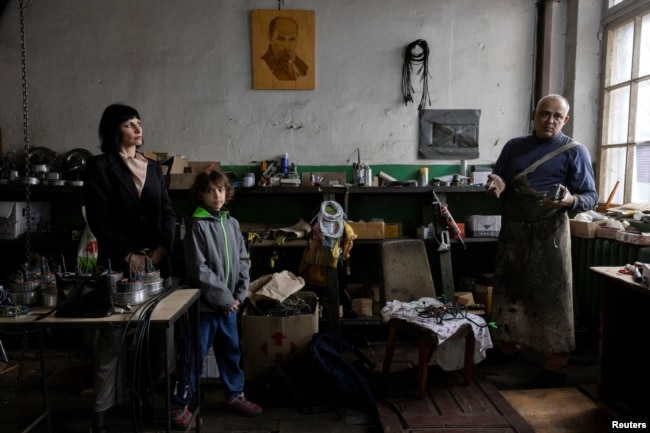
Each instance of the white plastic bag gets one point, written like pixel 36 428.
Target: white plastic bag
pixel 88 250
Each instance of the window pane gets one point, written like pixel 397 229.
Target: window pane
pixel 622 46
pixel 614 163
pixel 640 192
pixel 641 188
pixel 642 132
pixel 613 3
pixel 619 106
pixel 644 57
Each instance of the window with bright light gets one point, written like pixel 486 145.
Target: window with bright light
pixel 625 117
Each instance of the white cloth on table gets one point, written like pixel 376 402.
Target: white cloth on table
pixel 450 354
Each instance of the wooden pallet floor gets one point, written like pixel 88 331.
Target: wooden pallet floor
pixel 449 406
pixel 493 403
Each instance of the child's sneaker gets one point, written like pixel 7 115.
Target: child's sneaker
pixel 181 418
pixel 243 406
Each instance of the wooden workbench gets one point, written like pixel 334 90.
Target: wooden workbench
pixel 623 379
pixel 168 309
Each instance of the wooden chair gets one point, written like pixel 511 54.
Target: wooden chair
pixel 406 277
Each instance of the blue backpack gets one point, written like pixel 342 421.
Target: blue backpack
pixel 347 367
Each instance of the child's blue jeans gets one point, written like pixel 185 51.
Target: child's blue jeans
pixel 220 332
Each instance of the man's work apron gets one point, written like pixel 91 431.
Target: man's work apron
pixel 533 300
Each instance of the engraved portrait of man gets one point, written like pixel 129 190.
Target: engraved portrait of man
pixel 281 54
pixel 283 49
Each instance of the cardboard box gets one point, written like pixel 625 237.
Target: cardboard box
pixel 424 233
pixel 175 165
pixel 269 341
pixel 362 306
pixel 370 230
pixel 358 290
pixel 392 230
pixel 181 173
pixel 13 218
pixel 180 181
pixel 633 238
pixel 484 296
pixel 606 232
pixel 584 229
pixel 483 226
pixel 156 156
pixel 464 298
pixel 194 167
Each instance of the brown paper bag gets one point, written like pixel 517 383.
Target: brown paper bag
pixel 275 287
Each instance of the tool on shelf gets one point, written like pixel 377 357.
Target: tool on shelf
pixel 449 220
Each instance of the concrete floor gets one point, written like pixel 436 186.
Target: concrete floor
pixel 71 398
pixel 71 406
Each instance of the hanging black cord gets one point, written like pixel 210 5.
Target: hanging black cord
pixel 417 53
pixel 139 325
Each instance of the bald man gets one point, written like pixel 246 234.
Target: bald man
pixel 539 178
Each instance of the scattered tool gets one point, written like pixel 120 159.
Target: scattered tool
pixel 252 237
pixel 267 173
pixel 451 223
pixel 444 241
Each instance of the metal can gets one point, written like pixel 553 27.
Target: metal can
pixel 424 176
pixel 368 176
pixel 248 180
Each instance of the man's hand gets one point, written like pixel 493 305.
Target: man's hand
pixel 495 185
pixel 137 263
pixel 157 254
pixel 567 201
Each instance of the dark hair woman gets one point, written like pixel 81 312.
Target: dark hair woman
pixel 129 211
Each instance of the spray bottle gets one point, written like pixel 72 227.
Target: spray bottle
pixel 284 163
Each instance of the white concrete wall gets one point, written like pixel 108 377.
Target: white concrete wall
pixel 586 95
pixel 186 66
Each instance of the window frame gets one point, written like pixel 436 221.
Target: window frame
pixel 614 18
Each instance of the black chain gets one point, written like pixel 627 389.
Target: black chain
pixel 28 171
pixel 28 245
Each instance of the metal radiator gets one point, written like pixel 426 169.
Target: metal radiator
pixel 595 252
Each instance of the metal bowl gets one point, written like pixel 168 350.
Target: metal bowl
pixel 152 277
pixel 55 182
pixel 131 298
pixel 25 298
pixel 24 287
pixel 30 180
pixel 49 299
pixel 154 287
pixel 40 168
pixel 52 175
pixel 126 286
